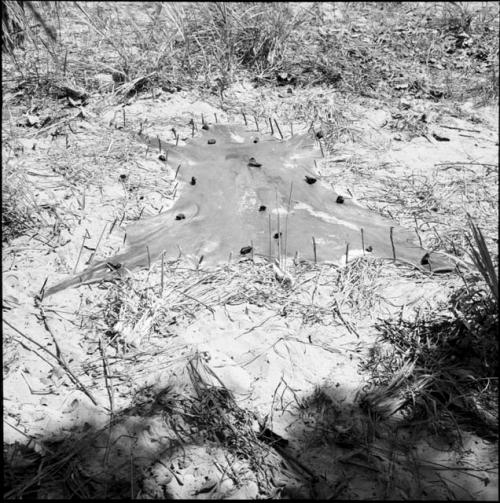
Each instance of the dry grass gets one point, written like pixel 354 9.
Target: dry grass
pixel 440 368
pixel 436 51
pixel 17 212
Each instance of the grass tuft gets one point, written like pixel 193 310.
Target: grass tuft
pixel 448 362
pixel 482 258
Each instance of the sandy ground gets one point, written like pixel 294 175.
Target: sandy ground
pixel 289 360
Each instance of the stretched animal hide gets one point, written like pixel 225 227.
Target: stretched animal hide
pixel 236 187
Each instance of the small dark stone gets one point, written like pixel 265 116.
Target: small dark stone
pixel 256 140
pixel 253 163
pixel 205 127
pixel 193 180
pixel 180 216
pixel 436 93
pixel 113 267
pixel 211 141
pixel 369 248
pixel 339 200
pixel 319 135
pixel 162 157
pixel 123 177
pixel 434 208
pixel 425 259
pixel 245 250
pixel 277 235
pixel 310 180
pixel 438 137
pixel 285 78
pixel 262 208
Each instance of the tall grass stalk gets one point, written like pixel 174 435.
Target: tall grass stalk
pixel 482 259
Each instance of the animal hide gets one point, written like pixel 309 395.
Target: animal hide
pixel 244 191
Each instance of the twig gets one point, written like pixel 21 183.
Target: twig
pixel 59 361
pixel 314 249
pixel 86 236
pixel 270 239
pixel 251 329
pixel 472 163
pixel 345 322
pixel 105 367
pixel 112 226
pixel 272 405
pixel 460 128
pixel 34 351
pixel 286 220
pixel 295 461
pixel 162 271
pixel 360 465
pixel 278 127
pixel 46 324
pixel 195 299
pixel 416 231
pixel 177 171
pixel 392 244
pixel 97 245
pixel 41 293
pixel 279 229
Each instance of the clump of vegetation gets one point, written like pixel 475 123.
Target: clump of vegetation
pixel 16 210
pixel 382 50
pixel 12 25
pixel 442 366
pixel 230 37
